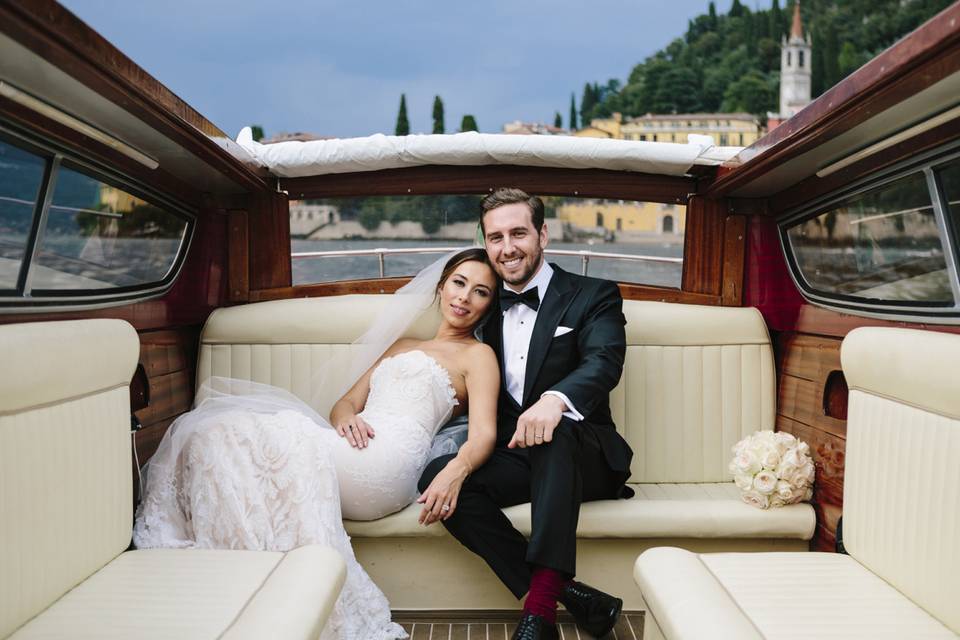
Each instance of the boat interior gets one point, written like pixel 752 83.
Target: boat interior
pixel 818 294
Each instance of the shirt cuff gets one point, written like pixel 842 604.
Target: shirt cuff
pixel 571 411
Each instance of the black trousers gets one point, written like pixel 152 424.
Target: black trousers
pixel 555 478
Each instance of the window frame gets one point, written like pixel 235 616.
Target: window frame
pixel 926 165
pixel 25 297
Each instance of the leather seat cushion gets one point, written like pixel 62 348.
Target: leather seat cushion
pixel 198 594
pixel 775 595
pixel 701 510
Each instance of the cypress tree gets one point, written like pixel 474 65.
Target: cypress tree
pixel 712 16
pixel 557 120
pixel 736 10
pixel 469 123
pixel 776 22
pixel 438 115
pixel 573 112
pixel 257 131
pixel 587 102
pixel 831 57
pixel 403 125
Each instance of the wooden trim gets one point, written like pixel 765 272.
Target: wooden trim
pixel 629 291
pixel 734 256
pixel 268 221
pixel 919 60
pixel 238 256
pixel 84 148
pixel 56 35
pixel 703 246
pixel 826 322
pixel 436 180
pixel 814 187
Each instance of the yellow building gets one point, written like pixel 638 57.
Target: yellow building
pixel 602 128
pixel 726 129
pixel 624 216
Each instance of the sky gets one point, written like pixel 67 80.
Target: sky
pixel 338 68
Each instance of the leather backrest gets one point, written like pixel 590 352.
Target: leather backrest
pixel 901 495
pixel 65 469
pixel 696 378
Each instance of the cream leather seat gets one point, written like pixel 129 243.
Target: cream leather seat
pixel 901 521
pixel 66 513
pixel 696 380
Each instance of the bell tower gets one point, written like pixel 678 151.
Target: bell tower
pixel 794 68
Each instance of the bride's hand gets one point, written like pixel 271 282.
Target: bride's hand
pixel 356 431
pixel 441 493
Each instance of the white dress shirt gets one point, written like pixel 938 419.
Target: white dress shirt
pixel 518 323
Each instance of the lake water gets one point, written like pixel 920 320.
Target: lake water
pixel 306 271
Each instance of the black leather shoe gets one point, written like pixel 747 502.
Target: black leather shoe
pixel 594 611
pixel 533 627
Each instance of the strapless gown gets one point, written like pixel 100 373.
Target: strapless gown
pixel 278 480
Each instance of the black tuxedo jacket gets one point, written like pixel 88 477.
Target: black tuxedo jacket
pixel 584 364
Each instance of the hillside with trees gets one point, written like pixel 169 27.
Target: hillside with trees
pixel 731 62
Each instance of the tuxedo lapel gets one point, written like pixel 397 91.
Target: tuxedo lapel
pixel 560 293
pixel 493 336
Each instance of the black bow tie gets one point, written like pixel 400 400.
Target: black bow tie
pixel 508 298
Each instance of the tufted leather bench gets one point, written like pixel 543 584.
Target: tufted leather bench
pixel 66 513
pixel 696 380
pixel 901 521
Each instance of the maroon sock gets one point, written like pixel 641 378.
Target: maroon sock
pixel 545 587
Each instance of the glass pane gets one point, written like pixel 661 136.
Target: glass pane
pixel 98 236
pixel 950 182
pixel 881 245
pixel 621 227
pixel 21 176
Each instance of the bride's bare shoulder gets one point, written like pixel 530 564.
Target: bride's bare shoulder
pixel 478 356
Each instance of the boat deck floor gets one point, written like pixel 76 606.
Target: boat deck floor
pixel 499 625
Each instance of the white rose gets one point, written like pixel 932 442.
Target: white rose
pixel 770 459
pixel 784 490
pixel 809 472
pixel 808 495
pixel 745 462
pixel 776 501
pixel 755 499
pixel 803 448
pixel 792 458
pixel 743 481
pixel 765 482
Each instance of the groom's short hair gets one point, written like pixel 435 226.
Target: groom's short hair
pixel 509 195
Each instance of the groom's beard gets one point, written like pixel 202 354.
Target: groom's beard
pixel 524 276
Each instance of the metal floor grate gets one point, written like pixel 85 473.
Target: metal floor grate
pixel 498 625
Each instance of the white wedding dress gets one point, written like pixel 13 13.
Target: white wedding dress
pixel 276 480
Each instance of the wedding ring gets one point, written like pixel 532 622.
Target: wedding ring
pixel 445 507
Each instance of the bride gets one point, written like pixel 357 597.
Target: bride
pixel 254 467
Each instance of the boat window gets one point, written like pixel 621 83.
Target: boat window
pixel 21 177
pixel 98 236
pixel 70 234
pixel 883 246
pixel 371 237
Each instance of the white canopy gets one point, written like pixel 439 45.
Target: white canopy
pixel 318 157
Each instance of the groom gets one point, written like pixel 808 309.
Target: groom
pixel 560 342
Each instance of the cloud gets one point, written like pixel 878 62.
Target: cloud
pixel 338 68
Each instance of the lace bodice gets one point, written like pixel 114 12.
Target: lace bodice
pixel 411 386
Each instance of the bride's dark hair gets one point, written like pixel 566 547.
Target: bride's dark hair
pixel 473 254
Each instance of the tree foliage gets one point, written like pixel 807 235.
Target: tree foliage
pixel 469 123
pixel 257 132
pixel 731 61
pixel 438 126
pixel 557 120
pixel 403 124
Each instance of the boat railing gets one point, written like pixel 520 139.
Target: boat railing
pixel 382 253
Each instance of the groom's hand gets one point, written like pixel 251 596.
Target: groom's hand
pixel 536 424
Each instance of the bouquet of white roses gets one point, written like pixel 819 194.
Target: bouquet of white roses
pixel 772 469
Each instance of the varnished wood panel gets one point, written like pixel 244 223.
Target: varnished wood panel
pixel 238 256
pixel 703 246
pixel 802 400
pixel 808 357
pixel 268 221
pixel 432 180
pixel 170 395
pixel 826 322
pixel 166 351
pixel 734 249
